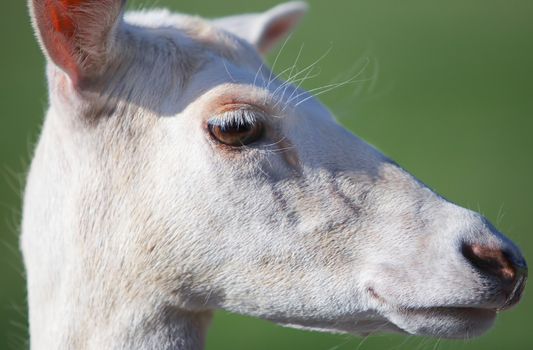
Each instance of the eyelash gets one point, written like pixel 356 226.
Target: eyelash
pixel 237 117
pixel 237 128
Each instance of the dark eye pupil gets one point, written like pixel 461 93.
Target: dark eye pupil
pixel 235 133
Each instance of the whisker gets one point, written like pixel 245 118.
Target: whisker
pixel 281 150
pixel 326 88
pixel 277 142
pixel 227 71
pixel 278 76
pixel 296 60
pixel 276 59
pixel 290 78
pixel 313 65
pixel 299 81
pixel 297 88
pixel 365 338
pixel 259 70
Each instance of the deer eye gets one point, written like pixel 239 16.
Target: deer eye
pixel 236 128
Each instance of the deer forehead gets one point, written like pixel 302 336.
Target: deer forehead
pixel 193 30
pixel 172 64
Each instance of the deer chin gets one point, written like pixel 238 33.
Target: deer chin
pixel 357 328
pixel 451 322
pixel 443 322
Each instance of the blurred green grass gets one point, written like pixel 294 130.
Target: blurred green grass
pixel 446 90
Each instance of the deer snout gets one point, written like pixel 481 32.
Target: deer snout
pixel 507 267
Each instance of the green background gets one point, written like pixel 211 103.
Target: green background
pixel 446 90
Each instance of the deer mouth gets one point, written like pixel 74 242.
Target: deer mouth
pixel 445 322
pixel 448 321
pixel 442 322
pixel 470 313
pixel 452 322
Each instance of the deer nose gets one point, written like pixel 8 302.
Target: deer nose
pixel 510 270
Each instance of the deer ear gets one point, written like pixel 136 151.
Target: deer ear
pixel 77 35
pixel 266 29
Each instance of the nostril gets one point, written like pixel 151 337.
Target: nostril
pixel 509 269
pixel 494 262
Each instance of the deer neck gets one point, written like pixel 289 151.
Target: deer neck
pixel 167 329
pixel 162 328
pixel 77 301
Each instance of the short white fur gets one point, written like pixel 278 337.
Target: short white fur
pixel 138 224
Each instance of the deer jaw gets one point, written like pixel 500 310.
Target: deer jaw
pixel 139 222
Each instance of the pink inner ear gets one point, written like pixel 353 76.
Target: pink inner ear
pixel 275 32
pixel 73 32
pixel 278 30
pixel 59 15
pixel 60 35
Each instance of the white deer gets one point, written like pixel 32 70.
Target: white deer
pixel 175 176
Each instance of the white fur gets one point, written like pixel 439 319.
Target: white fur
pixel 137 225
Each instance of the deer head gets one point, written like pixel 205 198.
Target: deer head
pixel 176 175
